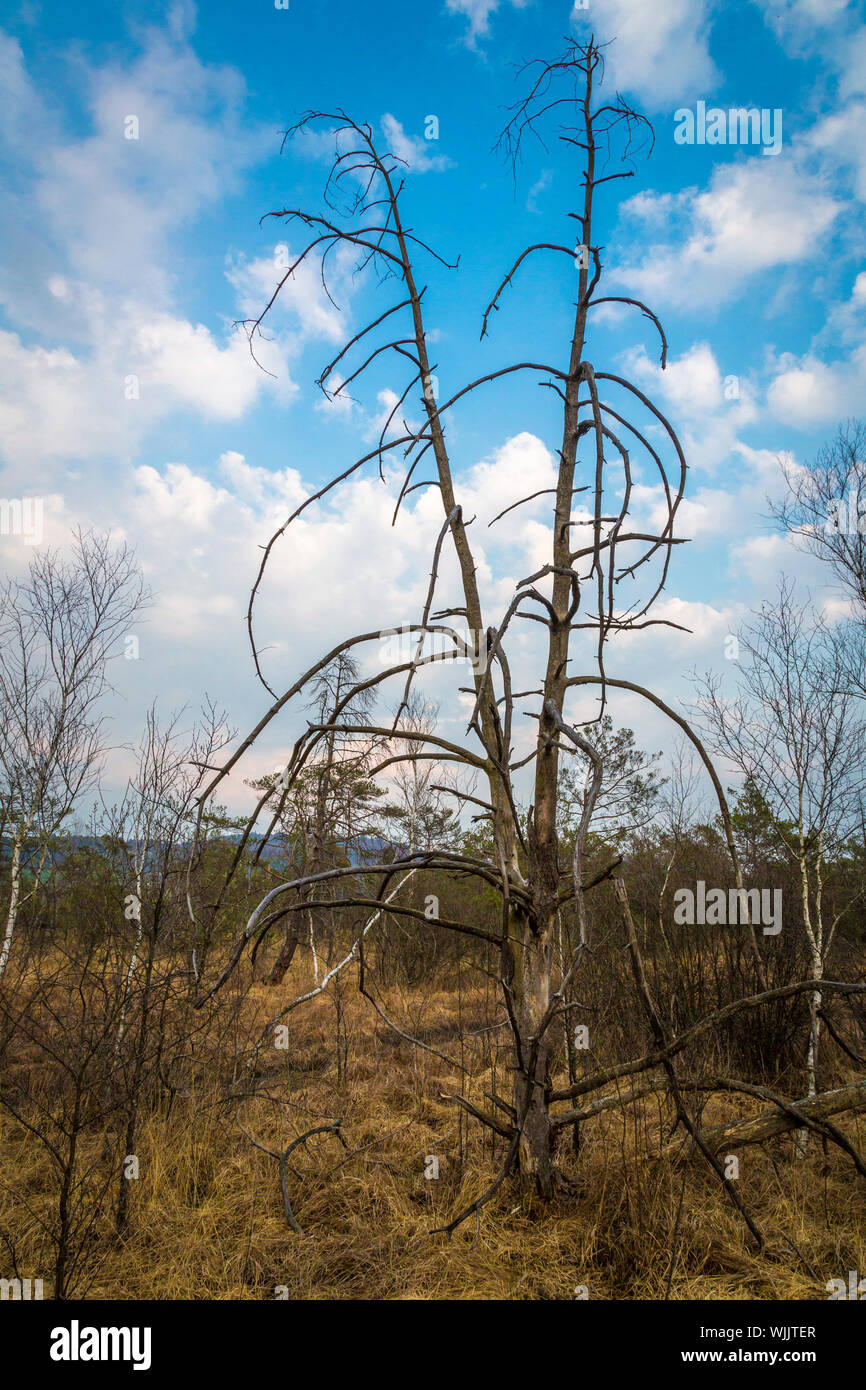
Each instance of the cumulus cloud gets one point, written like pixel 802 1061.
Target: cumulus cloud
pixel 809 392
pixel 97 233
pixel 415 150
pixel 93 232
pixel 751 219
pixel 660 51
pixel 166 138
pixel 90 225
pixel 303 303
pixel 710 408
pixel 60 405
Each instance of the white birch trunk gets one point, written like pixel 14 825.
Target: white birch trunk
pixel 14 896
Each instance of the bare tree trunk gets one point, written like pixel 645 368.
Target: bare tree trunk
pixel 816 956
pixel 138 1076
pixel 133 961
pixel 313 950
pixel 531 985
pixel 14 897
pixel 284 959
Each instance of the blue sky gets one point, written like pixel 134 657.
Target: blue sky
pixel 134 257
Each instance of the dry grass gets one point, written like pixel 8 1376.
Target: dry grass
pixel 206 1220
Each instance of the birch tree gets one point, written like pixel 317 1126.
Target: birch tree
pixel 795 734
pixel 60 627
pixel 824 508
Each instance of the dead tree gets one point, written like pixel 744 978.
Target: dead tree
pixel 595 551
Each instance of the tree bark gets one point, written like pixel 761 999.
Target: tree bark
pixel 531 987
pixel 14 895
pixel 284 959
pixel 771 1122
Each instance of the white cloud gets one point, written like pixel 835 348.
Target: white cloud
pixel 541 183
pixel 90 233
pixel 56 404
pixel 414 150
pixel 839 140
pixel 795 22
pixel 391 414
pixel 521 466
pixel 708 407
pixel 184 360
pixel 846 321
pixel 22 114
pixel 302 300
pixel 853 79
pixel 809 392
pixel 692 380
pixel 750 220
pixel 761 558
pixel 478 13
pixel 93 231
pixel 118 201
pixel 660 51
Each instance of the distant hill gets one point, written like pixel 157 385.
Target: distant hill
pixel 364 849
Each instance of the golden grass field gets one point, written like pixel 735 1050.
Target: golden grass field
pixel 206 1220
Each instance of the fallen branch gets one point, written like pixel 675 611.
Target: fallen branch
pixel 656 1058
pixel 507 1131
pixel 612 1102
pixel 767 1124
pixel 283 1161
